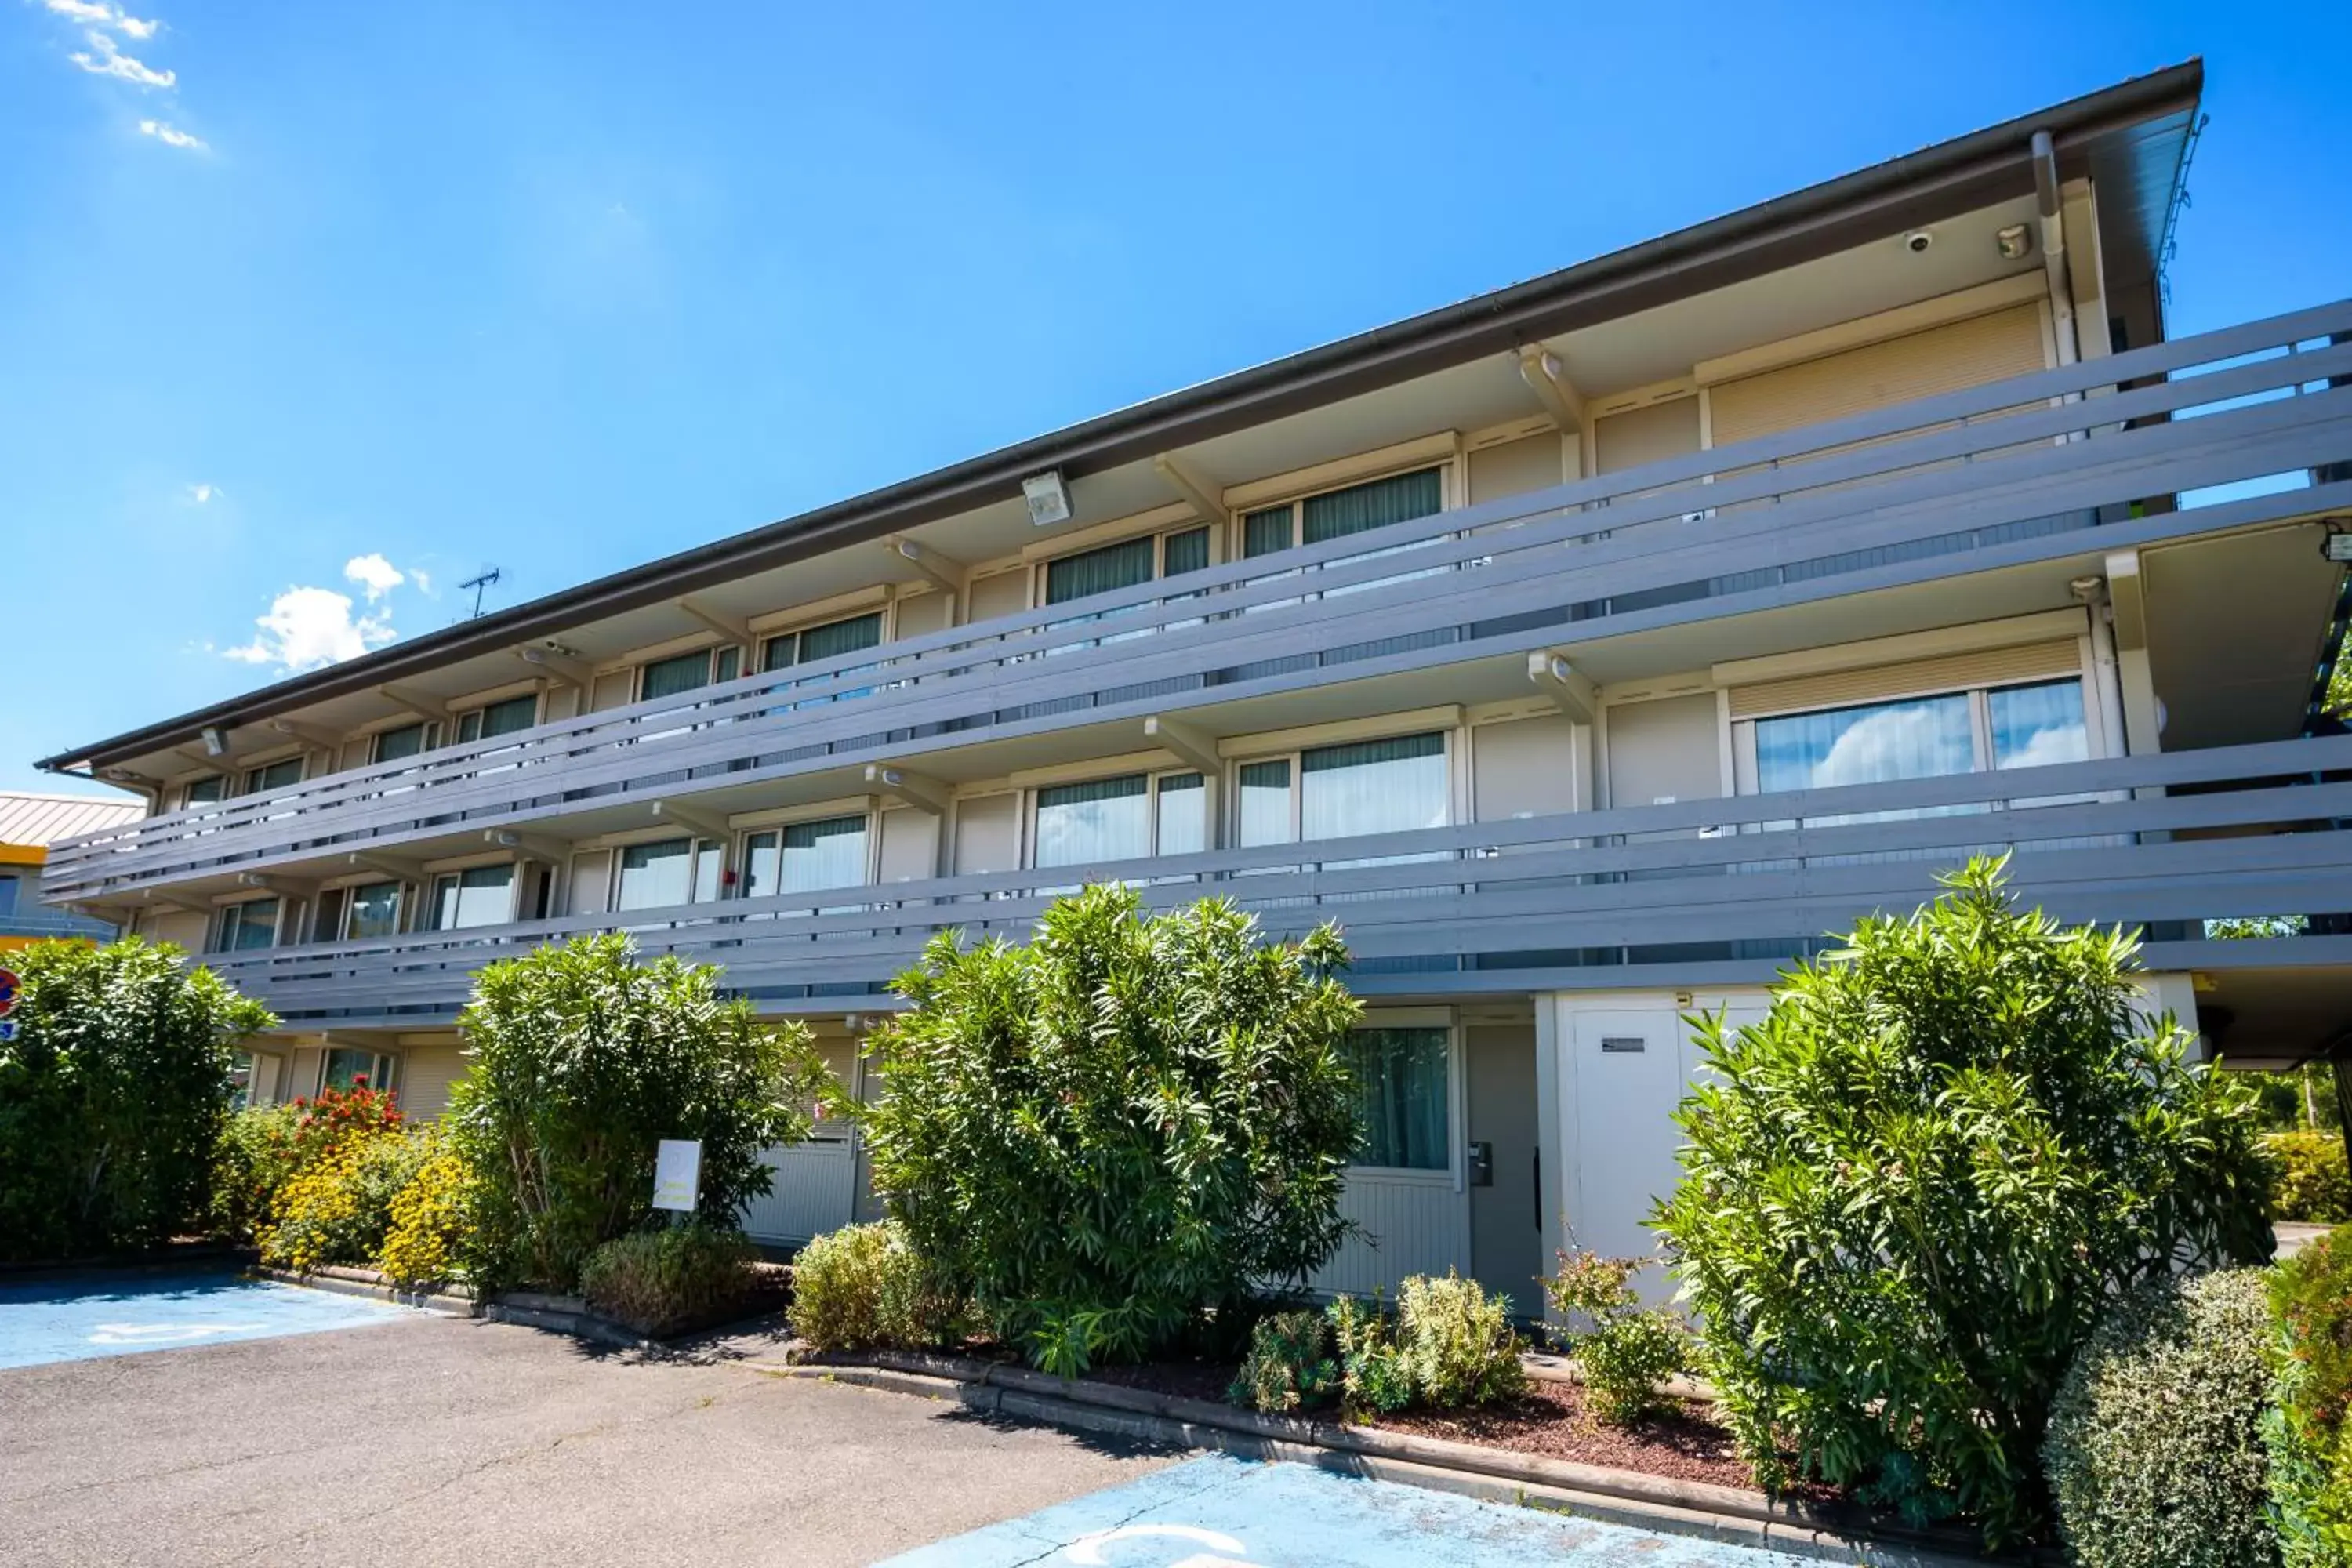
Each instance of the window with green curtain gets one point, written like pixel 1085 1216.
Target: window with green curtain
pixel 248 927
pixel 1185 552
pixel 1337 513
pixel 728 662
pixel 392 745
pixel 840 637
pixel 1265 531
pixel 1400 1097
pixel 1103 819
pixel 206 792
pixel 487 724
pixel 277 775
pixel 1373 786
pixel 669 677
pixel 1121 565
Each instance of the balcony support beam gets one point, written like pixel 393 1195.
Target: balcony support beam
pixel 310 735
pixel 704 822
pixel 392 865
pixel 284 886
pixel 157 898
pixel 939 569
pixel 416 701
pixel 1548 379
pixel 925 794
pixel 2127 604
pixel 732 627
pixel 529 845
pixel 558 667
pixel 1190 744
pixel 1560 681
pixel 1202 497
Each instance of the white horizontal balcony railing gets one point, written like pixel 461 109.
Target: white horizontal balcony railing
pixel 1526 902
pixel 2012 472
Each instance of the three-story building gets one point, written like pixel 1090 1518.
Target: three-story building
pixel 1587 649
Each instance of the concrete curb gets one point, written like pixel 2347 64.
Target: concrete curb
pixel 1728 1514
pixel 367 1282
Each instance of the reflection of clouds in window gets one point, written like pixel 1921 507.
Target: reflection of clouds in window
pixel 1866 745
pixel 2035 726
pixel 1108 819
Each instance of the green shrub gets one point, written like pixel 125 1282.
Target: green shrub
pixel 255 1157
pixel 1911 1190
pixel 584 1060
pixel 2312 1183
pixel 113 1095
pixel 2154 1450
pixel 337 1207
pixel 431 1218
pixel 864 1286
pixel 1126 1124
pixel 1457 1342
pixel 1624 1351
pixel 2306 1430
pixel 1373 1376
pixel 660 1282
pixel 1289 1364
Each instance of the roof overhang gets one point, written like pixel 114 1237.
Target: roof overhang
pixel 2130 138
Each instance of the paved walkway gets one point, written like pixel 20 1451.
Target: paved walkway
pixel 75 1319
pixel 1220 1513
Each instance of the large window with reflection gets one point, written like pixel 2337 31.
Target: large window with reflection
pixel 1919 737
pixel 668 872
pixel 1346 790
pixel 477 896
pixel 805 856
pixel 1128 818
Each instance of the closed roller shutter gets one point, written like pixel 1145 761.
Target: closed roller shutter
pixel 1952 672
pixel 1879 375
pixel 1651 434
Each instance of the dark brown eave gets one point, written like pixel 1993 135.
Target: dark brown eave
pixel 1971 171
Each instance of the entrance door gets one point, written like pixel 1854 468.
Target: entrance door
pixel 1507 1245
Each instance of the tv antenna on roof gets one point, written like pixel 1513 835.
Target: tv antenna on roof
pixel 488 575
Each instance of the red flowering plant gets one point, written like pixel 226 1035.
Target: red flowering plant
pixel 342 1116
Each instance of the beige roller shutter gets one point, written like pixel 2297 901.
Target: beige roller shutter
pixel 1957 355
pixel 1651 434
pixel 1952 672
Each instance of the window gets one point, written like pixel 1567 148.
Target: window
pixel 1402 1097
pixel 1126 563
pixel 1130 817
pixel 372 911
pixel 7 893
pixel 1344 791
pixel 1334 514
pixel 345 1069
pixel 241 1081
pixel 478 896
pixel 666 873
pixel 497 718
pixel 1919 737
pixel 687 671
pixel 205 791
pixel 408 741
pixel 813 643
pixel 248 927
pixel 805 856
pixel 283 775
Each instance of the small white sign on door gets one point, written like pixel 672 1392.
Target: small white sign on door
pixel 678 1175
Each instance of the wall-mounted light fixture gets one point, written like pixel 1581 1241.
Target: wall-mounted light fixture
pixel 2014 243
pixel 2337 546
pixel 216 743
pixel 1048 498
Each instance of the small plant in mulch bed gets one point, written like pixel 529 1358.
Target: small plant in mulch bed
pixel 1626 1351
pixel 1448 1345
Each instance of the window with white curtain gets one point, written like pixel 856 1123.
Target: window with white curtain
pixel 805 856
pixel 667 872
pixel 495 718
pixel 477 896
pixel 1346 790
pixel 1402 1098
pixel 1130 817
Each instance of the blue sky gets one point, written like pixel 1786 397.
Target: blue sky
pixel 357 302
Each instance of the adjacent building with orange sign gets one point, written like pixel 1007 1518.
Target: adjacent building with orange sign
pixel 29 824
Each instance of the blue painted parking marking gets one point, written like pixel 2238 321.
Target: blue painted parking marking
pixel 74 1320
pixel 1222 1513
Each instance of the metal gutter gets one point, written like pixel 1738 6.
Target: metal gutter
pixel 1973 170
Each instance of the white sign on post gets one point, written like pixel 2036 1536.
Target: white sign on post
pixel 678 1175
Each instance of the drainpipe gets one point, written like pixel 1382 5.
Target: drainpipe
pixel 2054 246
pixel 2092 594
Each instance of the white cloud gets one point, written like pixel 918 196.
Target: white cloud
pixel 171 135
pixel 307 628
pixel 421 579
pixel 374 574
pixel 201 494
pixel 108 59
pixel 96 14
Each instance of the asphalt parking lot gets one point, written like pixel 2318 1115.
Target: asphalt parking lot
pixel 200 1420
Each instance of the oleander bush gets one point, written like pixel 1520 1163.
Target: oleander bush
pixel 2154 1450
pixel 1624 1350
pixel 663 1281
pixel 255 1157
pixel 1133 1124
pixel 2312 1183
pixel 864 1286
pixel 113 1095
pixel 1912 1191
pixel 1457 1342
pixel 584 1060
pixel 2307 1430
pixel 1374 1378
